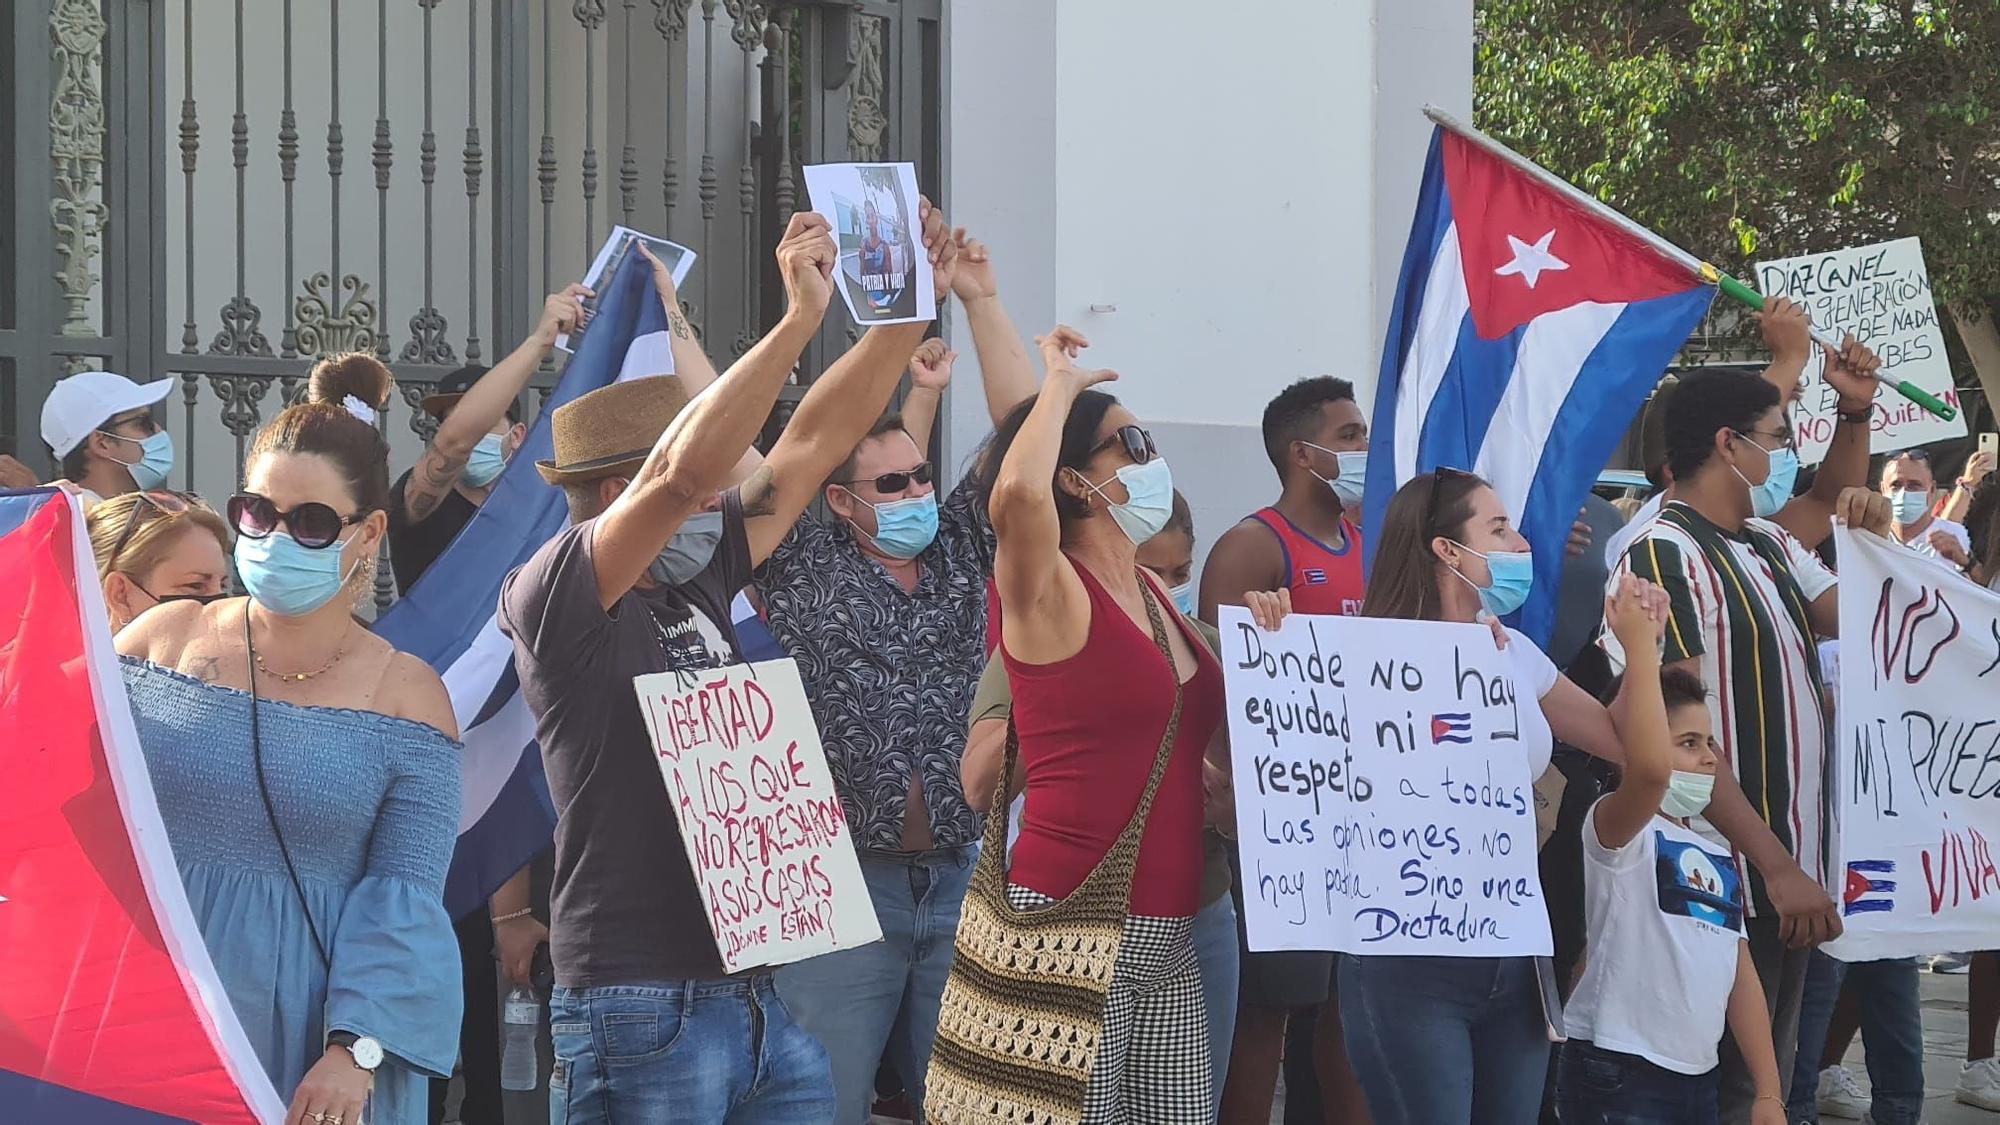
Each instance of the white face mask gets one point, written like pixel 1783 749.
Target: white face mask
pixel 1347 487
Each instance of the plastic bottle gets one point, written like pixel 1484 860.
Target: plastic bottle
pixel 522 1015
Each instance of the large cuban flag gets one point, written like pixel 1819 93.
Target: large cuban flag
pixel 448 617
pixel 111 1012
pixel 1526 332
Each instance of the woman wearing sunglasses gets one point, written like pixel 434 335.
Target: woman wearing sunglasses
pixel 157 547
pixel 308 775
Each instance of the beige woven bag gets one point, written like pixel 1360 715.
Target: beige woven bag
pixel 1023 1009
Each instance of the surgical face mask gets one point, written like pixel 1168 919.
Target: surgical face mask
pixel 488 458
pixel 1909 505
pixel 287 579
pixel 156 459
pixel 1353 474
pixel 1687 794
pixel 689 551
pixel 903 528
pixel 1183 596
pixel 1511 576
pixel 1150 504
pixel 1776 491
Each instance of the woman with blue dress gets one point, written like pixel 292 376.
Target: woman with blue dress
pixel 309 777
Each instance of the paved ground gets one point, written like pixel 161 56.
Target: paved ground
pixel 1944 1049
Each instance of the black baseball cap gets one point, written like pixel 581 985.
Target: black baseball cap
pixel 451 388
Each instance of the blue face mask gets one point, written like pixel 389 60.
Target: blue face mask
pixel 287 579
pixel 1512 575
pixel 1909 505
pixel 1353 474
pixel 156 459
pixel 1149 489
pixel 903 528
pixel 1183 596
pixel 1776 491
pixel 486 462
pixel 689 551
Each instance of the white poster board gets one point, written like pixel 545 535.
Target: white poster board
pixel 1917 803
pixel 1383 801
pixel 884 272
pixel 1881 294
pixel 771 849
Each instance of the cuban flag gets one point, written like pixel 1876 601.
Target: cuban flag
pixel 1869 889
pixel 110 1010
pixel 1453 728
pixel 449 617
pixel 1526 332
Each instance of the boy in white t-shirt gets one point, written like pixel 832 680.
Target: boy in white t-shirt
pixel 1667 967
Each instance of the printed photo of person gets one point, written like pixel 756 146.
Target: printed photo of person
pixel 884 277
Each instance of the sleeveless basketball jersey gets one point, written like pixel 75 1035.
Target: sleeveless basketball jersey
pixel 1322 580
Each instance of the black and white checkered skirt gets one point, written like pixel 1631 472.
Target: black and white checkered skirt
pixel 1152 1065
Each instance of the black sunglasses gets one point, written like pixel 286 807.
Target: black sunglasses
pixel 896 482
pixel 1137 442
pixel 163 501
pixel 1439 475
pixel 163 599
pixel 312 524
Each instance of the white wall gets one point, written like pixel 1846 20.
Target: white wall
pixel 1220 204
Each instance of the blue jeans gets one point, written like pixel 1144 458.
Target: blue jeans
pixel 883 998
pixel 1216 953
pixel 1441 1040
pixel 722 1052
pixel 1599 1087
pixel 1892 1036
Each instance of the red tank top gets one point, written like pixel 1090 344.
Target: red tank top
pixel 1090 727
pixel 1322 580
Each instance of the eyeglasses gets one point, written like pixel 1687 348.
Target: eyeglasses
pixel 163 599
pixel 165 502
pixel 1439 475
pixel 313 525
pixel 1137 442
pixel 897 481
pixel 1784 438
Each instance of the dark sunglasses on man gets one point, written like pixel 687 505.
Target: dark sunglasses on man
pixel 897 481
pixel 312 524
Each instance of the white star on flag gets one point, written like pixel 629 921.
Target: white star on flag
pixel 1530 261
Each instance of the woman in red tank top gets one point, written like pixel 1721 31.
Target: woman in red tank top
pixel 1076 486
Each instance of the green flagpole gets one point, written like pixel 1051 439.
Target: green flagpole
pixel 1708 273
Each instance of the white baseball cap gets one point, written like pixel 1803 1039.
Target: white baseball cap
pixel 87 400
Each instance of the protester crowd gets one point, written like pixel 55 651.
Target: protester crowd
pixel 1018 689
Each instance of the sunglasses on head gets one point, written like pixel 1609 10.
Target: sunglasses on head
pixel 897 481
pixel 1439 476
pixel 160 500
pixel 1137 442
pixel 312 524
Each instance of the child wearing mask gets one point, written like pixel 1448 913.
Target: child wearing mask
pixel 1668 966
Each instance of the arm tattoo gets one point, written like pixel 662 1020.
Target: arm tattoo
pixel 760 493
pixel 678 323
pixel 435 476
pixel 206 669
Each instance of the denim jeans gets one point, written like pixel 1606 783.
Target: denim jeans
pixel 1216 952
pixel 1599 1087
pixel 722 1052
pixel 1892 1036
pixel 882 998
pixel 1446 1039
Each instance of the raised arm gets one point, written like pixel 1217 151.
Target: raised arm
pixel 1955 506
pixel 1852 374
pixel 443 461
pixel 692 460
pixel 1004 369
pixel 930 374
pixel 1641 720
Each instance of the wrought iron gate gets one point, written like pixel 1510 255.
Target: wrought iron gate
pixel 232 188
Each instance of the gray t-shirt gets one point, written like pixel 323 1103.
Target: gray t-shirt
pixel 625 904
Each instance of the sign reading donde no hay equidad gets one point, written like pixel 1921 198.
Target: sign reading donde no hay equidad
pixel 1383 798
pixel 1881 295
pixel 770 847
pixel 1918 758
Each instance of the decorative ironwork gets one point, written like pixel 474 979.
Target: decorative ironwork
pixel 291 388
pixel 242 330
pixel 324 329
pixel 867 121
pixel 240 395
pixel 589 13
pixel 670 18
pixel 747 23
pixel 421 423
pixel 427 339
pixel 76 147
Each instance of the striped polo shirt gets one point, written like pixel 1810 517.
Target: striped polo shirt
pixel 1739 607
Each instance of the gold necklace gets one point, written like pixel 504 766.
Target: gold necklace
pixel 300 677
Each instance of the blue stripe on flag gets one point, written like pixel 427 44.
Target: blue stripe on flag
pixel 515 830
pixel 1462 411
pixel 17 507
pixel 26 1098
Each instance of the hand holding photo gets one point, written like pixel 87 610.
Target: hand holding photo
pixel 884 274
pixel 678 259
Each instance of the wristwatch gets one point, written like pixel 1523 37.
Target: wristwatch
pixel 367 1053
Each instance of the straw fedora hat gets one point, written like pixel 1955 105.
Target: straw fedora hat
pixel 611 429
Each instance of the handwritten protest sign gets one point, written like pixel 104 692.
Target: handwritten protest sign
pixel 1881 294
pixel 1383 801
pixel 1918 760
pixel 771 850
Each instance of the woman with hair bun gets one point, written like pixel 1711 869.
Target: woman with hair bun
pixel 354 381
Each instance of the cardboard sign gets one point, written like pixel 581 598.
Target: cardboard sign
pixel 771 849
pixel 1917 769
pixel 1384 803
pixel 1880 294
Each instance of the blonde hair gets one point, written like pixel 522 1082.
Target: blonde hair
pixel 152 537
pixel 1628 506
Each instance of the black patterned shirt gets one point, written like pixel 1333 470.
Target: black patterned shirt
pixel 890 674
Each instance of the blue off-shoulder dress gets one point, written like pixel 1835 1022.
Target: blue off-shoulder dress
pixel 369 807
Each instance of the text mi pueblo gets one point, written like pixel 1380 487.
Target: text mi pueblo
pixel 1379 808
pixel 756 828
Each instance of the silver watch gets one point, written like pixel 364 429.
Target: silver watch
pixel 366 1051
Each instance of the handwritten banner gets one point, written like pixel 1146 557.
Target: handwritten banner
pixel 1918 763
pixel 1881 294
pixel 1383 801
pixel 771 849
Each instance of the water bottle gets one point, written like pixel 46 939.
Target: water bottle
pixel 522 1014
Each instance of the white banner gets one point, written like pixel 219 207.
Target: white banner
pixel 770 846
pixel 1882 295
pixel 1918 765
pixel 1383 801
